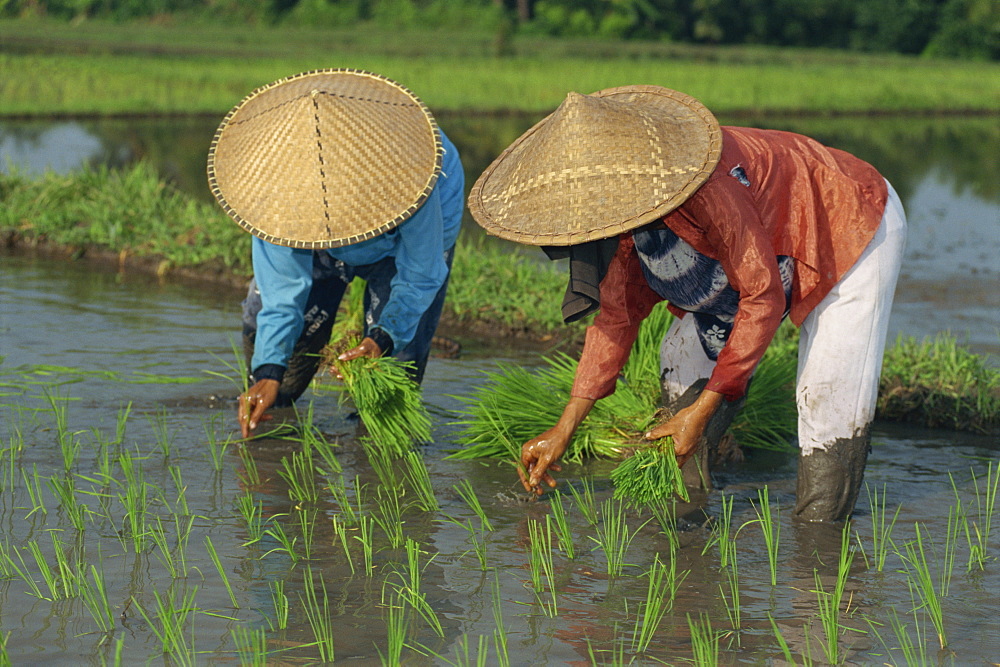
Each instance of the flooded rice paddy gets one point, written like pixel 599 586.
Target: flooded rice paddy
pixel 136 528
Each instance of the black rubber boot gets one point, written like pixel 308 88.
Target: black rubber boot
pixel 829 480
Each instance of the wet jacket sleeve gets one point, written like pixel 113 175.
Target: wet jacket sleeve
pixel 284 277
pixel 626 299
pixel 727 215
pixel 420 271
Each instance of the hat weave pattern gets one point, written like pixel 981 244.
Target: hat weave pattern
pixel 599 165
pixel 325 158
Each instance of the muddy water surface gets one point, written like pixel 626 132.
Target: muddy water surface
pixel 81 346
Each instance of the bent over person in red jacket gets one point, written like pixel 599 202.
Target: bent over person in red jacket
pixel 736 228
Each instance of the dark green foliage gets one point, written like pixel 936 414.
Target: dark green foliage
pixel 650 475
pixel 938 383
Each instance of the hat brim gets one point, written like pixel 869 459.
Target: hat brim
pixel 325 158
pixel 600 165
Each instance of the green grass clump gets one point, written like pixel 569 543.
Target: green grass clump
pixel 128 211
pixel 939 383
pixel 650 475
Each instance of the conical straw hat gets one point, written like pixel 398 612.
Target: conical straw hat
pixel 599 165
pixel 325 158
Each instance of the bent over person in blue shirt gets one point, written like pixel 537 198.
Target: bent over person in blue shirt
pixel 338 174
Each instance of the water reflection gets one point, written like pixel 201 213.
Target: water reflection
pixel 944 169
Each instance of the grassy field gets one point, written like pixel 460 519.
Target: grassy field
pixel 104 68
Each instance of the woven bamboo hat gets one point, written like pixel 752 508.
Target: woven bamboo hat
pixel 599 165
pixel 325 158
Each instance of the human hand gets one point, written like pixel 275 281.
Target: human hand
pixel 366 348
pixel 252 405
pixel 538 457
pixel 687 426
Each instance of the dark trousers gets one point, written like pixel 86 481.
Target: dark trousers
pixel 330 280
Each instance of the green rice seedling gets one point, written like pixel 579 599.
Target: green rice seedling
pixel 829 603
pixel 665 513
pixel 251 646
pixel 170 625
pixel 338 490
pixel 585 501
pixel 881 528
pixel 563 530
pixel 478 539
pixel 410 591
pixel 249 475
pixel 364 536
pixel 11 568
pixel 914 652
pixel 307 528
pixel 158 535
pixel 650 474
pixel 216 446
pixel 300 475
pixel 161 431
pixel 45 570
pixel 319 616
pixel 613 535
pixel 396 622
pixel 340 530
pixel 770 526
pixel 732 597
pixel 420 481
pixel 181 506
pixel 785 651
pixel 499 627
pixel 919 576
pixel 5 660
pixel 468 494
pixel 541 567
pixel 704 641
pixel 280 603
pixel 69 443
pixel 214 555
pixel 383 463
pixel 277 532
pixel 956 516
pixel 252 511
pixel 387 399
pixel 94 594
pixel 768 420
pixel 134 500
pixel 64 490
pixel 661 589
pixel 977 530
pixel 389 515
pixel 34 488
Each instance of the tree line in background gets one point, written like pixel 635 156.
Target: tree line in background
pixel 937 28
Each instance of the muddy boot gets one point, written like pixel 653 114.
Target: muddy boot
pixel 696 470
pixel 829 479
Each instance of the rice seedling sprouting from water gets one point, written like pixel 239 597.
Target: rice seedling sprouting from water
pixel 614 536
pixel 770 526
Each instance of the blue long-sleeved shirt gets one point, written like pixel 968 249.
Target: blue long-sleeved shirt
pixel 284 275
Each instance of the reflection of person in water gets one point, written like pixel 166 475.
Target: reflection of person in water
pixel 736 228
pixel 338 174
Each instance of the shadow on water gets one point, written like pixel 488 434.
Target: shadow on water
pixel 119 451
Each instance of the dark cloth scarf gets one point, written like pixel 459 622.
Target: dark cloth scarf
pixel 588 262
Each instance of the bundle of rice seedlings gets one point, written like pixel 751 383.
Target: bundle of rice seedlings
pixel 387 399
pixel 516 404
pixel 650 475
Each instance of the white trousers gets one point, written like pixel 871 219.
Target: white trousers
pixel 841 343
